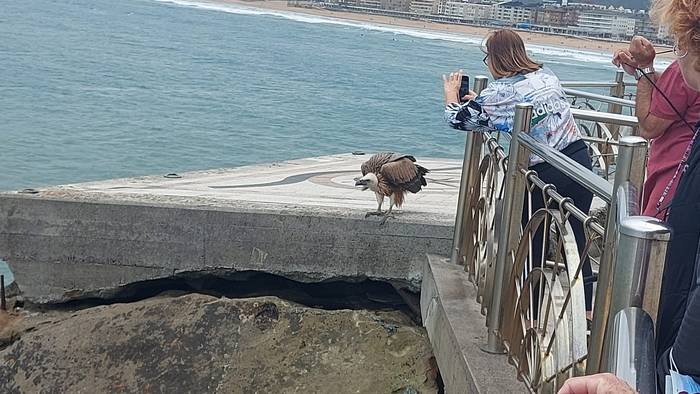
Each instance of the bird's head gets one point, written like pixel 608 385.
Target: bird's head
pixel 368 181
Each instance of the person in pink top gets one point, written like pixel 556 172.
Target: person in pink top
pixel 667 128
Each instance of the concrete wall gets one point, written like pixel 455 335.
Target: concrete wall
pixel 60 248
pixel 457 331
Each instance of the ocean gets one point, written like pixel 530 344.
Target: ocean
pixel 98 89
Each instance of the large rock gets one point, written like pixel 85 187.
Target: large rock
pixel 202 344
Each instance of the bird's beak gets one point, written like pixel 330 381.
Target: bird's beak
pixel 360 182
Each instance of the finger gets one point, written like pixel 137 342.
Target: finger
pixel 444 78
pixel 626 58
pixel 616 55
pixel 573 386
pixel 616 59
pixel 580 385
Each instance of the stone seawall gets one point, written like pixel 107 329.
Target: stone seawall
pixel 301 219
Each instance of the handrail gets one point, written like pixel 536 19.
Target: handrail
pixel 587 84
pixel 604 117
pixel 600 97
pixel 597 185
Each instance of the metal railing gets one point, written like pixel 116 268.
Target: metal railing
pixel 602 136
pixel 534 302
pixel 641 249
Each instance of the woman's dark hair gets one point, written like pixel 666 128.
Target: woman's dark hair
pixel 507 54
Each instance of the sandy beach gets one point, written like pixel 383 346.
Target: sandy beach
pixel 577 43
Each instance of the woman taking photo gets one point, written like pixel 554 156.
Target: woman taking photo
pixel 519 79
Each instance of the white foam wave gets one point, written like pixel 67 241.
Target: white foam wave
pixel 306 18
pixel 550 53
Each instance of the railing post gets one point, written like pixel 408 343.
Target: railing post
pixel 468 174
pixel 510 223
pixel 630 167
pixel 617 91
pixel 632 354
pixel 641 253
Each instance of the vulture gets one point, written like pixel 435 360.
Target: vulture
pixel 391 175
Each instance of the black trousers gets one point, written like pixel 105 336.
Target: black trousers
pixel 578 151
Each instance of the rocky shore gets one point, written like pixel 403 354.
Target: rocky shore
pixel 194 343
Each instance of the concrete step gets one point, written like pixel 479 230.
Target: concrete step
pixel 457 329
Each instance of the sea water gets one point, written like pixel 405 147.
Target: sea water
pixel 97 89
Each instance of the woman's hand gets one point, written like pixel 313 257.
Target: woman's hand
pixel 623 58
pixel 642 51
pixel 470 96
pixel 640 54
pixel 604 383
pixel 452 82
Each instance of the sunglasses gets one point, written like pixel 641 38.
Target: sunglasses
pixel 484 59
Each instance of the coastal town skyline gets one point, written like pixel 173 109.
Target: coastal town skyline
pixel 547 16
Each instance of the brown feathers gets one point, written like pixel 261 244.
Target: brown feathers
pixel 375 163
pixel 400 171
pixel 396 174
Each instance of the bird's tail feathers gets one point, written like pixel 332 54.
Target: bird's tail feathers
pixel 417 183
pixel 422 171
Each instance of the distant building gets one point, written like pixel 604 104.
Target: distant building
pixel 512 12
pixel 645 27
pixel 556 17
pixel 606 24
pixel 375 4
pixel 424 7
pixel 453 8
pixel 396 5
pixel 478 12
pixel 372 4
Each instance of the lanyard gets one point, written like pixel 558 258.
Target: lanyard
pixel 682 166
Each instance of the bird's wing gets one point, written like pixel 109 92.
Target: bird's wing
pixel 399 156
pixel 400 171
pixel 375 163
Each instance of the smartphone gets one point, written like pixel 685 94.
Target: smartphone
pixel 464 87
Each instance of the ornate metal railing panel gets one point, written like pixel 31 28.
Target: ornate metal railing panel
pixel 534 300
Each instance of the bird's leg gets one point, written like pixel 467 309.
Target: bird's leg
pixel 388 214
pixel 378 212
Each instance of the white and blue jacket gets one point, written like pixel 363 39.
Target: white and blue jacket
pixel 552 121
